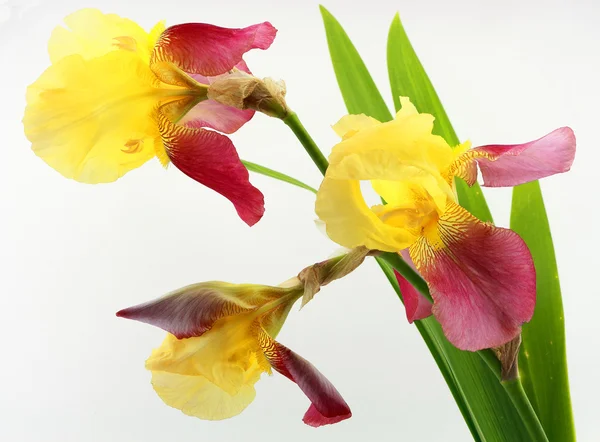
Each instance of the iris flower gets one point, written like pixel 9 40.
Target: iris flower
pixel 116 96
pixel 221 340
pixel 481 277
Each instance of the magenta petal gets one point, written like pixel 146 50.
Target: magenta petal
pixel 199 48
pixel 189 311
pixel 216 116
pixel 328 406
pixel 211 159
pixel 511 165
pixel 416 305
pixel 481 277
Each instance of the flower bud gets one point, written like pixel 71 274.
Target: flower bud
pixel 244 91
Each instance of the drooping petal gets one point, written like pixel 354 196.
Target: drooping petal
pixel 209 50
pixel 481 277
pixel 327 405
pixel 91 120
pixel 211 376
pixel 91 33
pixel 216 116
pixel 192 310
pixel 211 159
pixel 197 396
pixel 511 165
pixel 228 355
pixel 416 305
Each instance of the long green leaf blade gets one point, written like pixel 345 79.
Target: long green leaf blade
pixel 543 359
pixel 409 79
pixel 257 168
pixel 356 84
pixel 484 404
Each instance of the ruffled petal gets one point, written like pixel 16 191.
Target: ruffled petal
pixel 511 165
pixel 221 366
pixel 351 223
pixel 92 120
pixel 209 50
pixel 327 405
pixel 211 159
pixel 197 396
pixel 350 125
pixel 416 305
pixel 91 33
pixel 481 277
pixel 192 310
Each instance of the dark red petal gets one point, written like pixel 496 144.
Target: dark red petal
pixel 416 305
pixel 328 406
pixel 209 50
pixel 481 277
pixel 189 311
pixel 211 159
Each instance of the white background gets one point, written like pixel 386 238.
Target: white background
pixel 72 254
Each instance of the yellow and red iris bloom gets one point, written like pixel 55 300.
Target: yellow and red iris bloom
pixel 481 277
pixel 221 340
pixel 116 96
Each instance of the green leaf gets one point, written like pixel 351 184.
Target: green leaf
pixel 408 79
pixel 486 407
pixel 257 168
pixel 358 88
pixel 543 359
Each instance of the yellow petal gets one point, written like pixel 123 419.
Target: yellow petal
pixel 351 223
pixel 228 355
pixel 91 120
pixel 408 139
pixel 197 396
pixel 349 125
pixel 92 34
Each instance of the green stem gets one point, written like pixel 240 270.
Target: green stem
pixel 513 388
pixel 306 140
pixel 257 168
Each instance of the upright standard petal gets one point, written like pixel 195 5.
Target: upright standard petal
pixel 191 311
pixel 91 120
pixel 211 159
pixel 91 33
pixel 327 405
pixel 209 50
pixel 511 165
pixel 481 277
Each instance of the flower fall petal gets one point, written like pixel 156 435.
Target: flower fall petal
pixel 481 277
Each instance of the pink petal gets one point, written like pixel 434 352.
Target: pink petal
pixel 511 165
pixel 211 159
pixel 216 116
pixel 189 311
pixel 416 305
pixel 200 48
pixel 328 406
pixel 481 278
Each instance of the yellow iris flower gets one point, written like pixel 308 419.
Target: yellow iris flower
pixel 116 96
pixel 481 277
